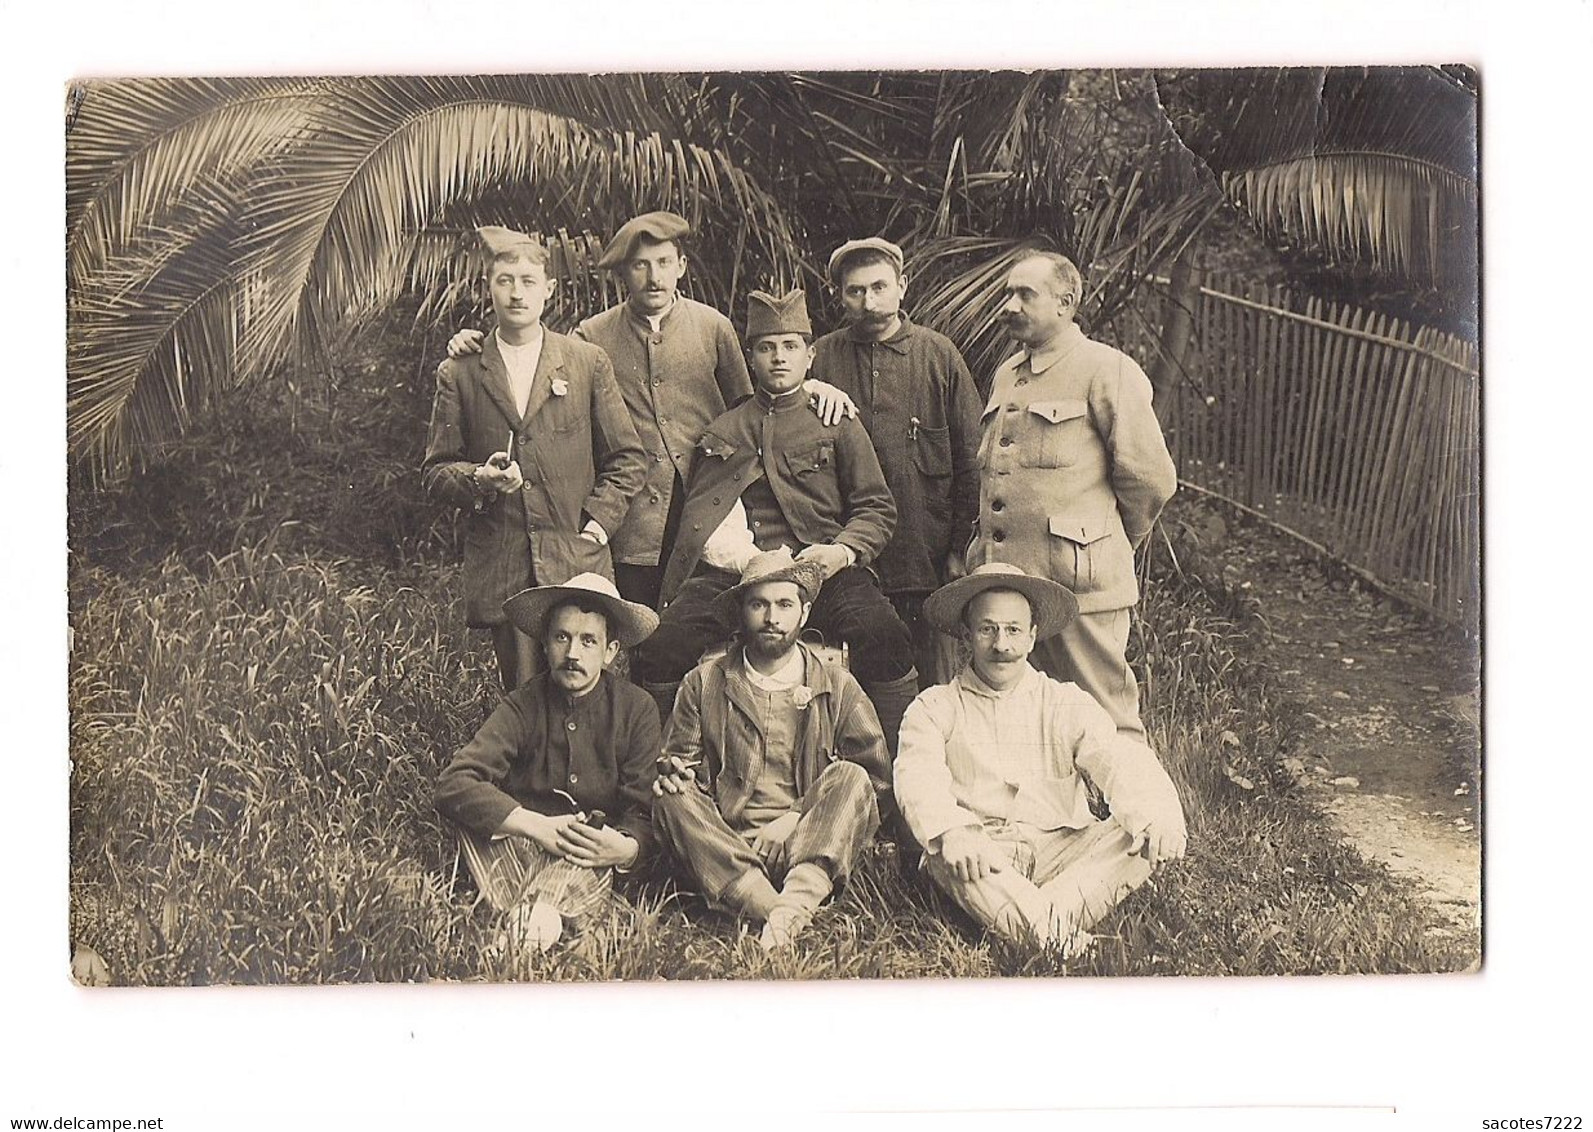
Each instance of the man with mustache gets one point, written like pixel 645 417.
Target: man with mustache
pixel 917 400
pixel 554 792
pixel 994 772
pixel 678 365
pixel 530 438
pixel 770 474
pixel 1073 473
pixel 774 761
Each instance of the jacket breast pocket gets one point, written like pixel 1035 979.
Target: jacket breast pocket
pixel 932 450
pixel 1056 434
pixel 811 459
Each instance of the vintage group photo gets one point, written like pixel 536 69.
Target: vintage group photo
pixel 800 525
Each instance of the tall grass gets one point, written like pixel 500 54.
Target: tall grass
pixel 255 739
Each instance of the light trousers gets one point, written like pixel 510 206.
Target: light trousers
pixel 1092 652
pixel 1057 883
pixel 513 872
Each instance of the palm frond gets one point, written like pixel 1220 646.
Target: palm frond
pixel 136 148
pixel 148 346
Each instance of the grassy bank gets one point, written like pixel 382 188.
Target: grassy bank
pixel 255 736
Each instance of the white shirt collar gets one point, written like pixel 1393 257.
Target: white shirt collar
pixel 788 675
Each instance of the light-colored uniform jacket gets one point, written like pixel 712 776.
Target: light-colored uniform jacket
pixel 1073 469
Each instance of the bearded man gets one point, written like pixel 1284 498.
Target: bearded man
pixel 774 760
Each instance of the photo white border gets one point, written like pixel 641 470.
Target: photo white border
pixel 1446 1051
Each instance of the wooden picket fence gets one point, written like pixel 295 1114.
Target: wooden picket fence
pixel 1352 430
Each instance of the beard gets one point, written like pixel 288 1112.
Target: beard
pixel 762 645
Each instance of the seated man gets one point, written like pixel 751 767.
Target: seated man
pixel 770 474
pixel 991 774
pixel 555 790
pixel 772 760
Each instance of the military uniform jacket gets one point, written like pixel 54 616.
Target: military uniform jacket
pixel 916 399
pixel 826 480
pixel 575 445
pixel 675 380
pixel 1074 469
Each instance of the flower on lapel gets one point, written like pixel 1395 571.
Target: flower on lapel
pixel 560 387
pixel 801 696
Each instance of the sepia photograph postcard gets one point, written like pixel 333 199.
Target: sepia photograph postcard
pixel 774 525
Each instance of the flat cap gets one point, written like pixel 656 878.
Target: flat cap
pixel 852 247
pixel 769 315
pixel 659 226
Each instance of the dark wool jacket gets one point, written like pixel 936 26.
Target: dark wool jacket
pixel 527 749
pixel 827 480
pixel 917 400
pixel 675 380
pixel 577 450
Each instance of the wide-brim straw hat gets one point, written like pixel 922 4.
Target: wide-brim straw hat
pixel 1053 604
pixel 770 566
pixel 628 623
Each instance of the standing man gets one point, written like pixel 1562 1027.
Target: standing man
pixel 1074 472
pixel 678 365
pixel 531 439
pixel 555 791
pixel 916 399
pixel 991 774
pixel 770 474
pixel 773 760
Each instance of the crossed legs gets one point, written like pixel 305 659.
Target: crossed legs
pixel 839 818
pixel 1056 885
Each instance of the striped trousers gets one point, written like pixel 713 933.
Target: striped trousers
pixel 513 872
pixel 1056 883
pixel 839 818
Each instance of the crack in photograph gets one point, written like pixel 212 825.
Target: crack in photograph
pixel 800 525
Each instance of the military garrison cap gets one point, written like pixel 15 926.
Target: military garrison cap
pixel 659 226
pixel 501 241
pixel 768 315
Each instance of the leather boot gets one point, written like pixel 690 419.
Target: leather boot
pixel 890 700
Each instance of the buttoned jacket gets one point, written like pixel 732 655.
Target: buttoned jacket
pixel 539 745
pixel 968 754
pixel 826 479
pixel 675 381
pixel 716 719
pixel 917 402
pixel 576 448
pixel 1073 469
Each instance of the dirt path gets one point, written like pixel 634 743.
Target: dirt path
pixel 1390 737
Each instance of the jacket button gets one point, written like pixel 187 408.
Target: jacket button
pixel 569 725
pixel 657 339
pixel 660 459
pixel 696 526
pixel 574 778
pixel 716 501
pixel 1006 442
pixel 876 373
pixel 996 505
pixel 999 536
pixel 1023 381
pixel 655 381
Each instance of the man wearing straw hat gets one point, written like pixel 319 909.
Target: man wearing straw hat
pixel 1073 474
pixel 531 439
pixel 774 760
pixel 770 474
pixel 991 774
pixel 678 365
pixel 555 790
